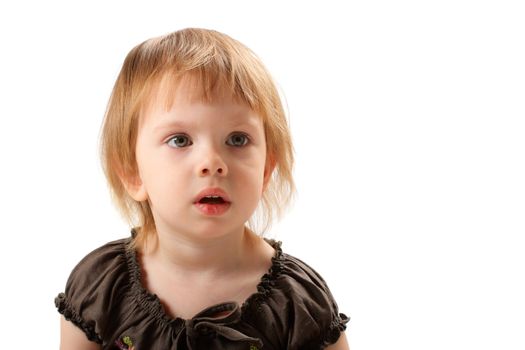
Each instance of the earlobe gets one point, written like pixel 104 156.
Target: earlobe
pixel 137 192
pixel 130 179
pixel 135 187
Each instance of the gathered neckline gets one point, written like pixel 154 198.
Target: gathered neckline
pixel 153 305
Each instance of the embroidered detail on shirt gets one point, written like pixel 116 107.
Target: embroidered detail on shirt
pixel 125 343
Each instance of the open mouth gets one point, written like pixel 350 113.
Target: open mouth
pixel 212 205
pixel 212 200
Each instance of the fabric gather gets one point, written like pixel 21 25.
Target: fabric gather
pixel 292 308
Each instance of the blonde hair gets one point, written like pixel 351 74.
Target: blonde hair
pixel 214 62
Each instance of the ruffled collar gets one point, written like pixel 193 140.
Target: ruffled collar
pixel 153 306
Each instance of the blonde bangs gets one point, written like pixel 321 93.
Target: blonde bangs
pixel 215 67
pixel 218 72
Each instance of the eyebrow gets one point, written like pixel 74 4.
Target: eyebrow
pixel 170 125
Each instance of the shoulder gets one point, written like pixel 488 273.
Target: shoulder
pixel 103 265
pixel 299 298
pixel 97 282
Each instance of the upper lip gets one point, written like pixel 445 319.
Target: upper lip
pixel 215 191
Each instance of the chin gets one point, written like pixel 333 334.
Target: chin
pixel 209 230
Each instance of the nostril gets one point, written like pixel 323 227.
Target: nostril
pixel 206 171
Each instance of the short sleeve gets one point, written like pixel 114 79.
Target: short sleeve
pixel 96 284
pixel 301 307
pixel 314 314
pixel 293 308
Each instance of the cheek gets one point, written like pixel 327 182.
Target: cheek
pixel 159 178
pixel 250 176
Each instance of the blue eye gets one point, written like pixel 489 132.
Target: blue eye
pixel 179 141
pixel 237 140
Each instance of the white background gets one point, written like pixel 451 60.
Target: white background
pixel 408 123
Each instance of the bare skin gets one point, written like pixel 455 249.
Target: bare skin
pixel 198 260
pixel 230 281
pixel 72 338
pixel 199 278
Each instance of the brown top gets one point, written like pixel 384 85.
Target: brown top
pixel 292 309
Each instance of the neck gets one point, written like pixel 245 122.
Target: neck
pixel 203 257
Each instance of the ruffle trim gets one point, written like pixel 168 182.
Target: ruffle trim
pixel 147 301
pixel 153 306
pixel 268 280
pixel 71 315
pixel 337 326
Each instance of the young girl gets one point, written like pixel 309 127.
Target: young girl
pixel 194 138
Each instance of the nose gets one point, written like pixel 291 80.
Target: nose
pixel 212 164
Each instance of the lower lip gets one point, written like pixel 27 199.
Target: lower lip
pixel 212 209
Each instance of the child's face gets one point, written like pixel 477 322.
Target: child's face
pixel 196 147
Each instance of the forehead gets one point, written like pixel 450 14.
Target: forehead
pixel 189 94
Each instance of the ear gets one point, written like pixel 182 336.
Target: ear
pixel 268 170
pixel 134 186
pixel 136 189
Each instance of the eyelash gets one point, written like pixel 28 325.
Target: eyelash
pixel 246 140
pixel 178 136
